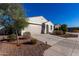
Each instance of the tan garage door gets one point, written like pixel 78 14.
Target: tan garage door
pixel 34 29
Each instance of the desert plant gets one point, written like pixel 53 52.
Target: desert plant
pixel 11 37
pixel 27 35
pixel 33 41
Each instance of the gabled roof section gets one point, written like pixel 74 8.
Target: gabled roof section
pixel 37 20
pixel 49 22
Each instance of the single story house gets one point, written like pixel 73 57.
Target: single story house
pixel 38 25
pixel 57 26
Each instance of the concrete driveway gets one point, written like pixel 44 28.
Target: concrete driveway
pixel 60 46
pixel 50 39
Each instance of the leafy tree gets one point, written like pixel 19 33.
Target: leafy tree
pixel 64 28
pixel 16 18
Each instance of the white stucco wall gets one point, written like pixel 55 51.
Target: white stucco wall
pixel 49 26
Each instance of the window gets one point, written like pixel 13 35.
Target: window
pixel 51 27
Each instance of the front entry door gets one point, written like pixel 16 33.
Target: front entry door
pixel 43 28
pixel 47 28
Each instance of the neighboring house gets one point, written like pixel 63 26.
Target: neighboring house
pixel 38 25
pixel 57 26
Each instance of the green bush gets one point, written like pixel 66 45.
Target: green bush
pixel 27 35
pixel 11 37
pixel 64 28
pixel 33 41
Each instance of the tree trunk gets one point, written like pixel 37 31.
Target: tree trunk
pixel 17 38
pixel 64 32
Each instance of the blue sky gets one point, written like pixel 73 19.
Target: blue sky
pixel 58 13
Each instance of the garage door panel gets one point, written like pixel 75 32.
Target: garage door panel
pixel 34 29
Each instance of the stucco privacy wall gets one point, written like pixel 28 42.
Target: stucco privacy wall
pixel 35 25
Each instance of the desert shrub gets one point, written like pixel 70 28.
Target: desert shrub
pixel 11 37
pixel 27 35
pixel 31 42
pixel 58 32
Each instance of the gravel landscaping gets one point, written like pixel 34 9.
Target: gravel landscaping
pixel 11 49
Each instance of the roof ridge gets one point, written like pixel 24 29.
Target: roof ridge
pixel 34 16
